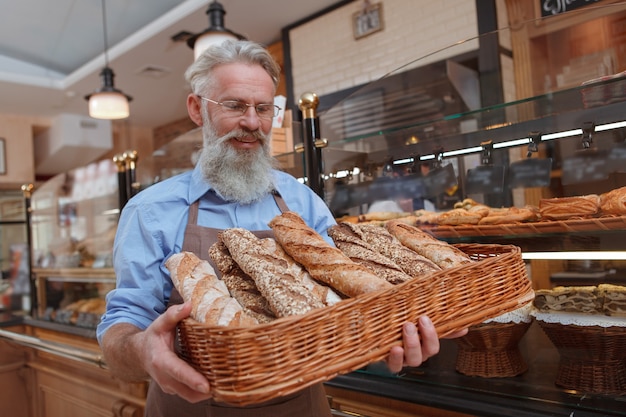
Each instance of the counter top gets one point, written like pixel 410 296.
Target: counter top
pixel 437 384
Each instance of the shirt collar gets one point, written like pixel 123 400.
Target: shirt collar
pixel 198 186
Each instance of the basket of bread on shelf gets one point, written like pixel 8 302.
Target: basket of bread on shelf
pixel 587 325
pixel 585 213
pixel 294 310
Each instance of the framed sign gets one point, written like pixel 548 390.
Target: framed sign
pixel 368 20
pixel 3 159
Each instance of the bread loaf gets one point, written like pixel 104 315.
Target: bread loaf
pixel 286 295
pixel 240 285
pixel 613 202
pixel 323 261
pixel 382 241
pixel 363 253
pixel 440 252
pixel 322 292
pixel 564 208
pixel 212 304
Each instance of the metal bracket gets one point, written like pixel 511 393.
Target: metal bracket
pixel 587 137
pixel 319 143
pixel 487 158
pixel 533 146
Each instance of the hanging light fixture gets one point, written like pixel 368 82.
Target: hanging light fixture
pixel 108 102
pixel 216 32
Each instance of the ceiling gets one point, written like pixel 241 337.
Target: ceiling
pixel 51 52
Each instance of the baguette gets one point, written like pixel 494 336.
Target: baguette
pixel 240 285
pixel 322 292
pixel 363 253
pixel 385 243
pixel 440 252
pixel 212 304
pixel 286 295
pixel 324 262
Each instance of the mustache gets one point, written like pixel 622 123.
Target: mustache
pixel 241 133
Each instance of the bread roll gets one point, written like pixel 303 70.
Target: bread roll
pixel 196 281
pixel 240 285
pixel 440 252
pixel 324 262
pixel 385 243
pixel 563 208
pixel 286 295
pixel 614 202
pixel 363 253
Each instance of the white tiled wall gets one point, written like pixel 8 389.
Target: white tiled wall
pixel 326 58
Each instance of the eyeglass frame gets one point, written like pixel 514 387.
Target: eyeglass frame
pixel 222 104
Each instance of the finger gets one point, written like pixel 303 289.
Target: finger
pixel 413 355
pixel 172 316
pixel 428 338
pixel 395 360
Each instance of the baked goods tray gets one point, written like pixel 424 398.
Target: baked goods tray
pixel 529 228
pixel 250 365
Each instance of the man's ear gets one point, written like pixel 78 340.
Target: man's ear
pixel 194 109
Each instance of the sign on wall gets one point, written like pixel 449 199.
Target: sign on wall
pixel 554 7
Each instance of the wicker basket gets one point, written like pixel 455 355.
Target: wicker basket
pixel 256 364
pixel 491 350
pixel 592 358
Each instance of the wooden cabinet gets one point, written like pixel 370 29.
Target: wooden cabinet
pixel 55 374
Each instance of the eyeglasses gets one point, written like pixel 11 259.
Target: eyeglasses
pixel 237 108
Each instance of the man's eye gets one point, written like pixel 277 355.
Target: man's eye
pixel 264 109
pixel 235 106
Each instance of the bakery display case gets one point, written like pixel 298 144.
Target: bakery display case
pixel 73 219
pixel 515 120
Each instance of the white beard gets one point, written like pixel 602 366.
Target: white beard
pixel 242 176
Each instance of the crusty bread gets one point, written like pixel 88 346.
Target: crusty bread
pixel 411 262
pixel 286 295
pixel 458 216
pixel 381 216
pixel 510 215
pixel 322 292
pixel 614 202
pixel 196 281
pixel 440 252
pixel 240 285
pixel 324 262
pixel 563 208
pixel 363 253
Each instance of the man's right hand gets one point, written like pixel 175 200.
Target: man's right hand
pixel 129 352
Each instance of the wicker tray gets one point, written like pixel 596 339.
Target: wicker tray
pixel 255 364
pixel 530 228
pixel 592 358
pixel 491 350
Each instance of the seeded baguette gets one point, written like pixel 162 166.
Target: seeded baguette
pixel 323 261
pixel 286 295
pixel 241 286
pixel 438 251
pixel 363 253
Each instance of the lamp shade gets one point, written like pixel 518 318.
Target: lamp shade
pixel 209 38
pixel 216 32
pixel 108 102
pixel 108 105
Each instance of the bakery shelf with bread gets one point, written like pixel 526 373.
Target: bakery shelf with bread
pixel 578 214
pixel 254 363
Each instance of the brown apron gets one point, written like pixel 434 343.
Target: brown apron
pixel 310 402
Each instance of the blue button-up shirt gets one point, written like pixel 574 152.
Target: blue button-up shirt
pixel 152 226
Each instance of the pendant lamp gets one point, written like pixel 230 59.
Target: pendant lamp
pixel 108 102
pixel 216 32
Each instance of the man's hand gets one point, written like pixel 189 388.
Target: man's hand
pixel 419 343
pixel 130 353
